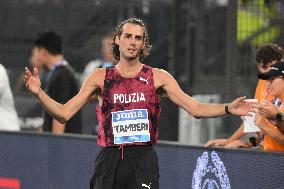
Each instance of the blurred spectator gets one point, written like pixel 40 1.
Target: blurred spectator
pixel 106 59
pixel 8 115
pixel 274 139
pixel 61 82
pixel 266 56
pixel 20 87
pixel 28 108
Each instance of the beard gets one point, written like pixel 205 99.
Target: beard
pixel 132 58
pixel 135 56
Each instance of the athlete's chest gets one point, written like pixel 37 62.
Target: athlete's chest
pixel 125 91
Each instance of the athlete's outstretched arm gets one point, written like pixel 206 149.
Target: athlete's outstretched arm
pixel 62 112
pixel 199 110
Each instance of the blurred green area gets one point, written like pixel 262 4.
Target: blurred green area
pixel 254 22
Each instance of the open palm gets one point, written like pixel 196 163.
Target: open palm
pixel 241 107
pixel 32 81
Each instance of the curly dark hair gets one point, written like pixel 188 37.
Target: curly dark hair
pixel 269 52
pixel 118 31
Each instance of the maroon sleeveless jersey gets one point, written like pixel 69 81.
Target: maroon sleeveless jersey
pixel 130 109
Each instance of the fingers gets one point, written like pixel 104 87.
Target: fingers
pixel 28 72
pixel 267 110
pixel 253 110
pixel 266 104
pixel 36 73
pixel 27 84
pixel 216 142
pixel 241 98
pixel 261 113
pixel 261 109
pixel 234 145
pixel 27 75
pixel 256 119
pixel 237 144
pixel 209 143
pixel 254 105
pixel 256 116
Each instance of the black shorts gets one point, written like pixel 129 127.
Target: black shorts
pixel 136 169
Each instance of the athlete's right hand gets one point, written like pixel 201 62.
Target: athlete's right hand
pixel 32 81
pixel 217 142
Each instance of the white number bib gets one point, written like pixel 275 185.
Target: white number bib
pixel 130 126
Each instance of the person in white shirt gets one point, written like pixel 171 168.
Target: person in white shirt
pixel 8 116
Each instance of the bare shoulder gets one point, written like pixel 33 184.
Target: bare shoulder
pixel 160 73
pixel 161 77
pixel 98 72
pixel 96 78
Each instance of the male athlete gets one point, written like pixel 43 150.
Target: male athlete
pixel 128 110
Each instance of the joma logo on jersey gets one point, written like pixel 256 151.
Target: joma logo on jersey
pixel 129 115
pixel 128 98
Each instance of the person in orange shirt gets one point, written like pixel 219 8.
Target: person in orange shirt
pixel 266 56
pixel 271 111
pixel 274 138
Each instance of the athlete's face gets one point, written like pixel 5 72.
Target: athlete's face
pixel 276 86
pixel 131 41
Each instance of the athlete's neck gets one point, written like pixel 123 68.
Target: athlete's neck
pixel 128 69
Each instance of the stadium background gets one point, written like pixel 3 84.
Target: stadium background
pixel 208 45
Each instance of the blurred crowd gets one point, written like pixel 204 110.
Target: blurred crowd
pixel 59 80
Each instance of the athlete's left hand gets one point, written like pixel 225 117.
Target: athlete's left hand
pixel 241 107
